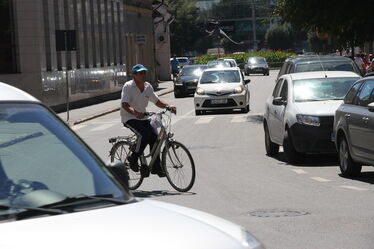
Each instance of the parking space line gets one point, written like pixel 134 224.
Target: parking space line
pixel 103 127
pixel 204 120
pixel 320 179
pixel 238 119
pixel 77 127
pixel 354 188
pixel 299 171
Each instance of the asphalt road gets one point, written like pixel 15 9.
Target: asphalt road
pixel 303 206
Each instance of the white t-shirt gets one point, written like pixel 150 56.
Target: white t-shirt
pixel 132 95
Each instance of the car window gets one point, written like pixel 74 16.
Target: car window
pixel 220 76
pixel 284 90
pixel 363 98
pixel 349 98
pixel 321 89
pixel 192 71
pixel 324 66
pixel 276 88
pixel 35 147
pixel 256 60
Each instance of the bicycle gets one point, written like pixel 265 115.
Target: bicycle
pixel 176 159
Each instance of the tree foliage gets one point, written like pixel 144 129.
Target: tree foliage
pixel 347 21
pixel 187 33
pixel 278 38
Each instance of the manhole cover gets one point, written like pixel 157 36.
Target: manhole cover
pixel 276 213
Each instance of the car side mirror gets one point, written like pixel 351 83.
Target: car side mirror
pixel 247 81
pixel 279 101
pixel 371 107
pixel 119 171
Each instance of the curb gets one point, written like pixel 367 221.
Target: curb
pixel 79 121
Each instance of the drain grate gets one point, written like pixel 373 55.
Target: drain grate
pixel 276 213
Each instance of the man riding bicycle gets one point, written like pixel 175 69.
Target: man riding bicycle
pixel 135 96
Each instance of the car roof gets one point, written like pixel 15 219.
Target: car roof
pixel 322 74
pixel 10 93
pixel 316 58
pixel 222 69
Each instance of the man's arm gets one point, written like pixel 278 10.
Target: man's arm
pixel 132 111
pixel 162 104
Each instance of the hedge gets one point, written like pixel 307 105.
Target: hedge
pixel 275 59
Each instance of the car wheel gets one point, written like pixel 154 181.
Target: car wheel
pixel 291 154
pixel 348 167
pixel 271 148
pixel 198 113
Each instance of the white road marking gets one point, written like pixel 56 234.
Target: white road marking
pixel 354 188
pixel 238 119
pixel 103 127
pixel 299 171
pixel 204 120
pixel 77 127
pixel 175 119
pixel 320 179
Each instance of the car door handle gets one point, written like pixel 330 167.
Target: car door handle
pixel 347 116
pixel 365 119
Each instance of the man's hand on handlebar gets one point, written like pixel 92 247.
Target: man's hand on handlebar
pixel 172 108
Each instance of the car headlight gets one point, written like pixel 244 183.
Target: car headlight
pixel 249 241
pixel 200 91
pixel 308 120
pixel 238 90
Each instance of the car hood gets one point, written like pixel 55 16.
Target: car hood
pixel 219 87
pixel 188 78
pixel 319 108
pixel 144 224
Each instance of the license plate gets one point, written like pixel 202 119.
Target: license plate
pixel 218 101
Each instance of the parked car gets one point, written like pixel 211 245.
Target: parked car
pixel 182 61
pixel 187 79
pixel 218 64
pixel 354 128
pixel 299 114
pixel 221 89
pixel 311 63
pixel 256 65
pixel 55 192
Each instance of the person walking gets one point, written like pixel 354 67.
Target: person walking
pixel 135 96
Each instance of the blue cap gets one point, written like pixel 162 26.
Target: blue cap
pixel 138 68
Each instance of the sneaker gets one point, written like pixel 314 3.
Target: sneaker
pixel 158 171
pixel 144 171
pixel 133 161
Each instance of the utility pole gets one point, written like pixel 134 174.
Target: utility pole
pixel 254 26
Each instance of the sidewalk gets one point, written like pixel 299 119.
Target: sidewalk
pixel 80 115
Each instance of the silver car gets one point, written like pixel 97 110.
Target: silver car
pixel 354 128
pixel 221 89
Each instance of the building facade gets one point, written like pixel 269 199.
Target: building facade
pixel 68 50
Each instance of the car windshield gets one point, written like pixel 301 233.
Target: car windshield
pixel 42 161
pixel 182 60
pixel 220 76
pixel 192 71
pixel 321 89
pixel 324 66
pixel 256 60
pixel 220 64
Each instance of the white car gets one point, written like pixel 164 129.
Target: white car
pixel 299 115
pixel 221 89
pixel 55 192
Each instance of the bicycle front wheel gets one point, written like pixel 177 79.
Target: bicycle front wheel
pixel 120 151
pixel 178 166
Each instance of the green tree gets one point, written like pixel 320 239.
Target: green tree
pixel 349 23
pixel 187 32
pixel 278 38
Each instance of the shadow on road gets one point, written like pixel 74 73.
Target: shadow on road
pixel 312 160
pixel 155 193
pixel 367 177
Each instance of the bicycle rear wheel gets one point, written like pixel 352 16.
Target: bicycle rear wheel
pixel 179 166
pixel 120 152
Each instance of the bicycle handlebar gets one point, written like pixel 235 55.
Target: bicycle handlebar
pixel 160 112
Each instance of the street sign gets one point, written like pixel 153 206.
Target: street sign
pixel 66 40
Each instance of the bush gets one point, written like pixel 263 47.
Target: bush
pixel 275 59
